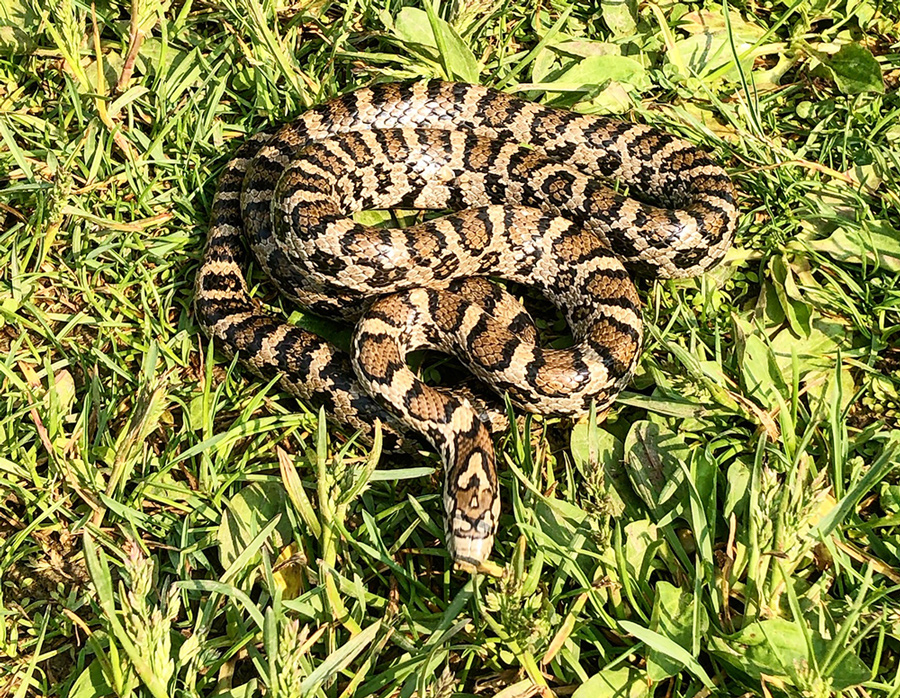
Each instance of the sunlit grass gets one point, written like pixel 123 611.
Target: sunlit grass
pixel 172 525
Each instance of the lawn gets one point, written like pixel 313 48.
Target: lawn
pixel 171 525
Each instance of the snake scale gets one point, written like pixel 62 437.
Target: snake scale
pixel 530 187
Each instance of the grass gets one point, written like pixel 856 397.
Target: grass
pixel 172 526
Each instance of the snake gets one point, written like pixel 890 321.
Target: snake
pixel 573 205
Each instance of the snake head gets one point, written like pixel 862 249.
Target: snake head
pixel 470 542
pixel 472 504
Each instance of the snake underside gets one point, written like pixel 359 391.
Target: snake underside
pixel 531 189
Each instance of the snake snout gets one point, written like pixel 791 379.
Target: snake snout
pixel 468 544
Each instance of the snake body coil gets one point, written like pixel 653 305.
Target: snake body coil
pixel 531 183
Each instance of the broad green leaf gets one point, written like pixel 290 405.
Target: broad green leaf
pixel 708 48
pixel 162 58
pixel 737 490
pixel 625 682
pixel 665 646
pixel 889 498
pixel 795 308
pixel 855 69
pixel 248 513
pixel 585 48
pixel 669 407
pixel 816 351
pixel 557 57
pixel 18 27
pixel 413 26
pixel 821 387
pixel 594 447
pixel 653 457
pixel 613 99
pixel 185 71
pixel 714 22
pixel 91 683
pixel 620 16
pixel 554 531
pixel 595 71
pixel 640 547
pixel 98 566
pixel 455 54
pixel 761 376
pixel 768 306
pixel 545 64
pixel 875 243
pixel 129 96
pixel 673 617
pixel 778 649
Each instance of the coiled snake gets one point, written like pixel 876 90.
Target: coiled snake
pixel 530 184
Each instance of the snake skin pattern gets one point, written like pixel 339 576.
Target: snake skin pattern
pixel 530 187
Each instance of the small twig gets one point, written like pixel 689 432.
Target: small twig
pixel 809 165
pixel 15 212
pixel 135 39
